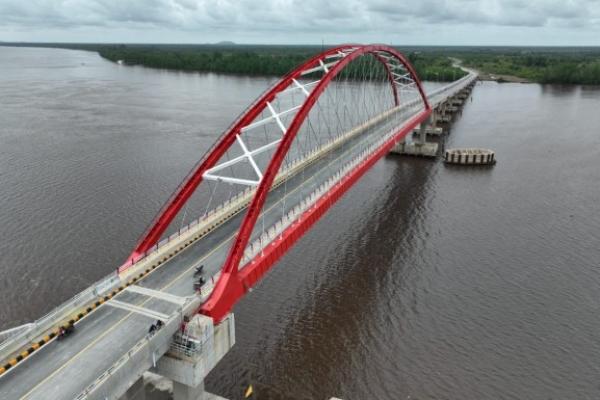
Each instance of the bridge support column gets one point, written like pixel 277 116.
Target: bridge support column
pixel 420 146
pixel 423 131
pixel 136 392
pixel 194 354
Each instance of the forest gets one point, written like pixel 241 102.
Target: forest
pixel 254 60
pixel 558 65
pixel 542 65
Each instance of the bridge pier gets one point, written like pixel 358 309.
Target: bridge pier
pixel 436 125
pixel 420 146
pixel 136 392
pixel 193 354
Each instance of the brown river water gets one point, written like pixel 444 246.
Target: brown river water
pixel 424 282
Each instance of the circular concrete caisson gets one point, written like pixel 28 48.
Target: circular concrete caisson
pixel 469 156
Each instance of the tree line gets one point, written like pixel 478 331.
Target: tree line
pixel 249 60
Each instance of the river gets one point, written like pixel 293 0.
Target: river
pixel 423 282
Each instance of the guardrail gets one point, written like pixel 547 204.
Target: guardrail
pixel 49 320
pixel 21 338
pixel 451 89
pixel 13 332
pixel 163 338
pixel 259 244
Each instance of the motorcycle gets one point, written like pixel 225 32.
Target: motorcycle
pixel 64 332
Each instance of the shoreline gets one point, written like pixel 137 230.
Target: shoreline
pixel 483 76
pixel 486 76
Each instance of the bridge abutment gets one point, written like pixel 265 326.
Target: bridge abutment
pixel 194 353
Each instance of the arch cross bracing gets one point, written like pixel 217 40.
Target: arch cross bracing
pixel 291 155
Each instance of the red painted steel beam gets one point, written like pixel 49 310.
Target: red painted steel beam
pixel 390 76
pixel 253 271
pixel 191 182
pixel 230 287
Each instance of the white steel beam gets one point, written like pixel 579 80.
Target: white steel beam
pixel 137 309
pixel 295 87
pixel 268 119
pixel 237 159
pixel 249 157
pixel 301 87
pixel 405 76
pixel 157 294
pixel 407 86
pixel 228 179
pixel 276 116
pixel 324 66
pixel 318 68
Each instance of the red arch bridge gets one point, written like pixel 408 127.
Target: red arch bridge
pixel 267 179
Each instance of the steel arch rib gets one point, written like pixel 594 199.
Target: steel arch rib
pixel 191 182
pixel 231 286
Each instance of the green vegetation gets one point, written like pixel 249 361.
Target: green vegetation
pixel 543 65
pixel 252 60
pixel 565 65
pixel 247 61
pixel 241 59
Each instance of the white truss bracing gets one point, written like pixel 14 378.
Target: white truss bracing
pixel 269 119
pixel 324 66
pixel 404 77
pixel 249 155
pixel 321 67
pixel 339 54
pixel 295 88
pixel 409 87
pixel 397 66
pixel 301 87
pixel 277 119
pixel 385 56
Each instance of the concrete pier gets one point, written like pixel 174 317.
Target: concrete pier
pixel 420 146
pixel 436 126
pixel 195 351
pixel 416 149
pixel 136 392
pixel 430 130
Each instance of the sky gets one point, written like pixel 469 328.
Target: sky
pixel 399 22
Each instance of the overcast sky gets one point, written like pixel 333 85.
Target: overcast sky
pixel 420 22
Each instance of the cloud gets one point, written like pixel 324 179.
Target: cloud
pixel 527 13
pixel 297 17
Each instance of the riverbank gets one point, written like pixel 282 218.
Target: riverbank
pixel 500 78
pixel 560 65
pixel 575 66
pixel 250 60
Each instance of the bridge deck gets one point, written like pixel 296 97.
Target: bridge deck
pixel 63 369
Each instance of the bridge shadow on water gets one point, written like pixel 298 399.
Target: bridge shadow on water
pixel 309 329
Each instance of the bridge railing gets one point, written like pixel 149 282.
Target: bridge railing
pixel 241 199
pixel 144 353
pixel 13 332
pixel 37 328
pixel 20 338
pixel 440 94
pixel 150 348
pixel 260 243
pixel 16 341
